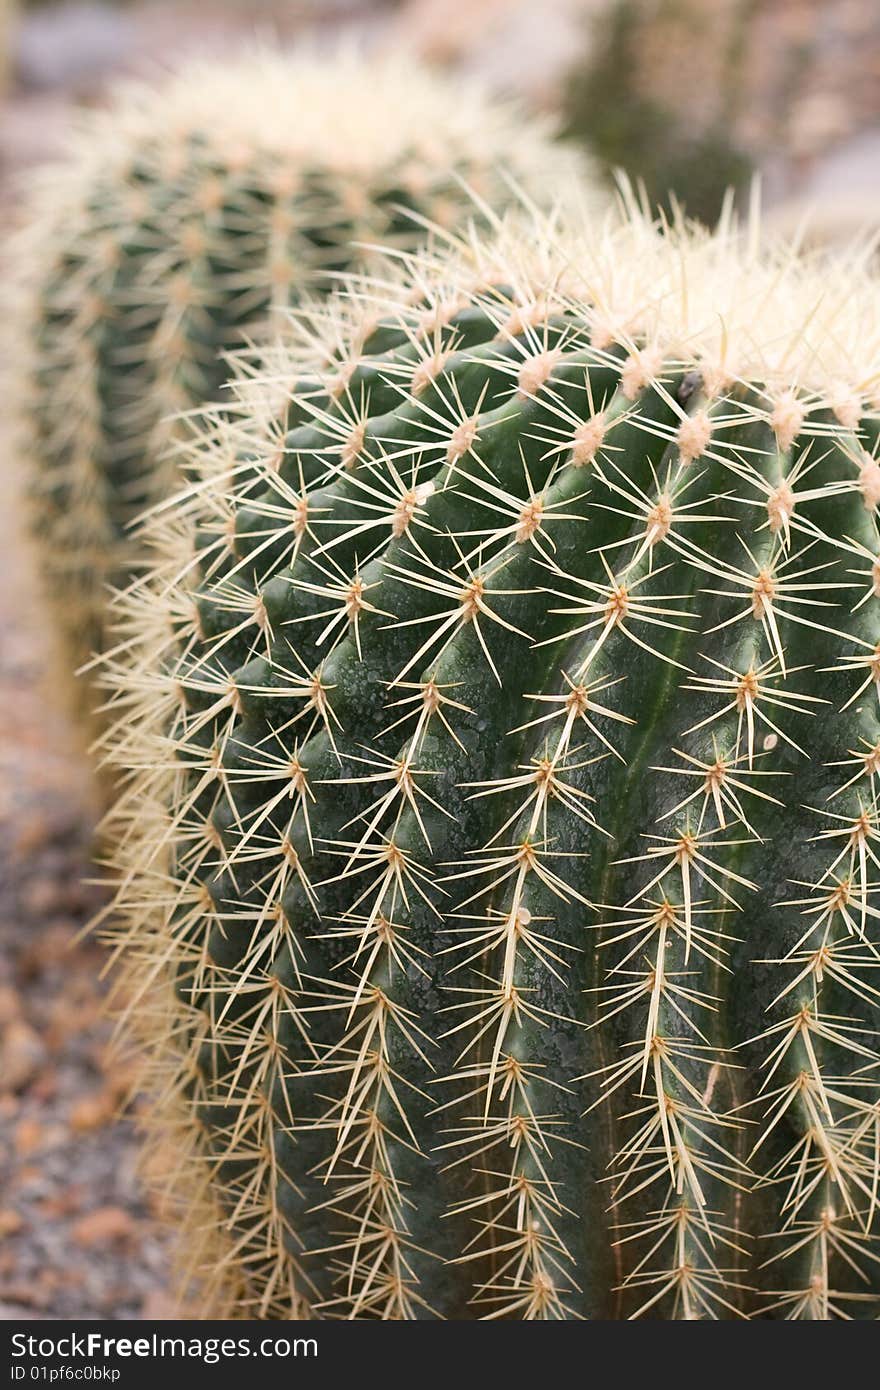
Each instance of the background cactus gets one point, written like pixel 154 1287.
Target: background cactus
pixel 624 97
pixel 180 219
pixel 498 865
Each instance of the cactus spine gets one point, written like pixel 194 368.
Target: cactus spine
pixel 500 846
pixel 181 221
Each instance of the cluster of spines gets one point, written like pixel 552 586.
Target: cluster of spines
pixel 735 457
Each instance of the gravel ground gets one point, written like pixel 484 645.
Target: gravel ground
pixel 78 1237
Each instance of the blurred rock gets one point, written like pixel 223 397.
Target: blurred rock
pixel 91 1112
pixel 46 1085
pixel 41 897
pixel 68 1202
pixel 22 1053
pixel 10 1005
pixel 10 1221
pixel 29 1136
pixel 51 946
pixel 104 1226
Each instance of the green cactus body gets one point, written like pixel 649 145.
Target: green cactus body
pixel 501 835
pixel 184 219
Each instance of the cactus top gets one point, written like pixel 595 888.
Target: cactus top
pixel 384 104
pixel 501 836
pixel 342 113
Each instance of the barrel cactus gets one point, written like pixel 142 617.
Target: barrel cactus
pixel 498 865
pixel 179 220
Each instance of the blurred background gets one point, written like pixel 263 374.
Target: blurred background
pixel 691 96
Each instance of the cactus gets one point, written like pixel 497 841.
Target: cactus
pixel 8 19
pixel 180 221
pixel 498 863
pixel 625 102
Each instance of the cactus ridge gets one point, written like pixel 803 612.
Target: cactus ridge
pixel 499 850
pixel 182 222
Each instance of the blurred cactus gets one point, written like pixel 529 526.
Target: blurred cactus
pixel 632 104
pixel 8 10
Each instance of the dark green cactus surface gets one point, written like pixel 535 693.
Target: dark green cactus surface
pixel 502 797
